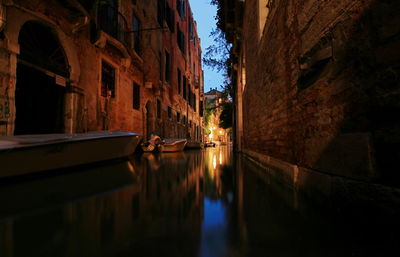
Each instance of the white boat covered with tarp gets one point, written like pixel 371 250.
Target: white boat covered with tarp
pixel 25 154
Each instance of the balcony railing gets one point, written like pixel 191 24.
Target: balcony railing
pixel 111 21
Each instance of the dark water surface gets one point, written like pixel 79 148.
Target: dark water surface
pixel 195 203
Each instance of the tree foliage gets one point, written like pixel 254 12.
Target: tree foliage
pixel 218 57
pixel 209 111
pixel 225 118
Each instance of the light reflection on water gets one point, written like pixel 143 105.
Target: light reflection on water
pixel 194 203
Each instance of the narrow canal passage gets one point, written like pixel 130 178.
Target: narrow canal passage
pixel 195 203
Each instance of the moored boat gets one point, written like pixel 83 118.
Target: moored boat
pixel 194 145
pixel 172 145
pixel 146 147
pixel 152 145
pixel 25 154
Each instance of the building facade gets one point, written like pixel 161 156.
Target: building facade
pixel 86 65
pixel 317 88
pixel 215 99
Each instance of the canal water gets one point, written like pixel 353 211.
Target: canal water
pixel 196 203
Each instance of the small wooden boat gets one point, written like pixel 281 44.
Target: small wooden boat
pixel 173 145
pixel 194 145
pixel 209 144
pixel 148 148
pixel 152 145
pixel 25 154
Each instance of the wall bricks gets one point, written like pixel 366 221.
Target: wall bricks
pixel 323 80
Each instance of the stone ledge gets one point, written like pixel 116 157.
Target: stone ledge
pixel 329 190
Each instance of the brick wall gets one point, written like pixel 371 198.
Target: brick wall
pixel 322 86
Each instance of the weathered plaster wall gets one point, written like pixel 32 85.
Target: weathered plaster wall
pixel 85 49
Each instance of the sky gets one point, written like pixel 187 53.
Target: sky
pixel 204 14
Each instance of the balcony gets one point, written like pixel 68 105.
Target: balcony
pixel 111 21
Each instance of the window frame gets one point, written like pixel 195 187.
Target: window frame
pixel 105 88
pixel 167 66
pixel 136 96
pixel 136 34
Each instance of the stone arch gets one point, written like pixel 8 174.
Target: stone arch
pixel 40 91
pixel 74 94
pixel 13 29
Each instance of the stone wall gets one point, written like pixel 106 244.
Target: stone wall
pixel 322 88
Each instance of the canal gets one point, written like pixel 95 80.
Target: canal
pixel 195 203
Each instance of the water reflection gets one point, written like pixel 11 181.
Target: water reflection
pixel 215 227
pixel 195 203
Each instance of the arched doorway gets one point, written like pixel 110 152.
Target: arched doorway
pixel 39 100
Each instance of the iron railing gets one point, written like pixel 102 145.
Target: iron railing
pixel 111 21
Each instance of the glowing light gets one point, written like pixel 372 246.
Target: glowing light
pixel 220 158
pixel 214 161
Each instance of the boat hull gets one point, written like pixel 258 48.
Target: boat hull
pixel 173 145
pixel 194 145
pixel 148 148
pixel 21 155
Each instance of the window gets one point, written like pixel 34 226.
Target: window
pixel 167 66
pixel 179 81
pixel 160 12
pixel 181 40
pixel 178 117
pixel 107 80
pixel 190 28
pixel 158 109
pixel 160 65
pixel 184 119
pixel 194 103
pixel 170 17
pixel 190 97
pixel 181 8
pixel 136 96
pixel 184 87
pixel 136 34
pixel 169 112
pixel 107 17
pixel 201 109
